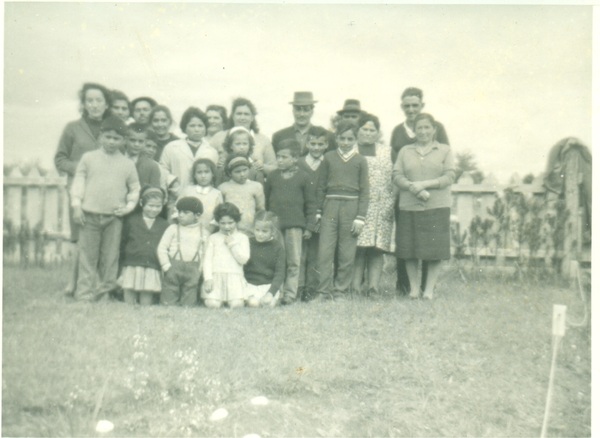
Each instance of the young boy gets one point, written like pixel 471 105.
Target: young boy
pixel 344 183
pixel 105 188
pixel 317 144
pixel 148 170
pixel 180 253
pixel 289 195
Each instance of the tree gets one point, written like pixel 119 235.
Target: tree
pixel 466 162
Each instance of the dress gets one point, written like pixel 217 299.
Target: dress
pixel 379 223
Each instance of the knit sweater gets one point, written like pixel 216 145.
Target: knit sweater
pixel 266 264
pixel 313 177
pixel 291 199
pixel 76 139
pixel 148 171
pixel 139 243
pixel 401 138
pixel 104 182
pixel 341 179
pixel 189 244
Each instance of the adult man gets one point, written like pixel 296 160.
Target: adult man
pixel 141 108
pixel 303 106
pixel 402 135
pixel 351 110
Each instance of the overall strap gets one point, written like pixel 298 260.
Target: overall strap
pixel 178 245
pixel 197 255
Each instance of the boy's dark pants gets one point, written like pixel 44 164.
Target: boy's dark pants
pixel 309 268
pixel 180 284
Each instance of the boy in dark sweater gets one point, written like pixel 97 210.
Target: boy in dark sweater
pixel 289 195
pixel 342 202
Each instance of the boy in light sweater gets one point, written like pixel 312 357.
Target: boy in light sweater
pixel 105 188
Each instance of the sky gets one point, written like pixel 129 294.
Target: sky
pixel 508 82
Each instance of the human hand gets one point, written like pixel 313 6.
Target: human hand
pixel 357 227
pixel 258 165
pixel 306 235
pixel 423 195
pixel 208 286
pixel 266 299
pixel 415 187
pixel 121 211
pixel 78 215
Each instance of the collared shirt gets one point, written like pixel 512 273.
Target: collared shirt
pixel 348 155
pixel 302 135
pixel 314 163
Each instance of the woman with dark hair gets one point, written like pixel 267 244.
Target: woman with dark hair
pixel 217 120
pixel 120 105
pixel 376 237
pixel 79 137
pixel 424 172
pixel 178 156
pixel 161 121
pixel 243 113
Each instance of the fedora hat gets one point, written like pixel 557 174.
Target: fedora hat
pixel 350 105
pixel 303 98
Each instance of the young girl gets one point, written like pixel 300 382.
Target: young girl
pixel 203 174
pixel 142 231
pixel 265 271
pixel 226 253
pixel 248 196
pixel 239 141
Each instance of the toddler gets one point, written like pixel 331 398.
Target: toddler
pixel 226 253
pixel 142 230
pixel 265 271
pixel 180 253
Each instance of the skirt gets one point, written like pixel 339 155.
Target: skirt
pixel 227 287
pixel 140 279
pixel 423 235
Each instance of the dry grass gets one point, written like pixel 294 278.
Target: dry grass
pixel 474 362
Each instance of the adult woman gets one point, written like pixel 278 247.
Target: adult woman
pixel 161 121
pixel 120 105
pixel 217 120
pixel 376 236
pixel 78 137
pixel 179 155
pixel 424 172
pixel 243 113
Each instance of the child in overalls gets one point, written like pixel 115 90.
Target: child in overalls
pixel 180 253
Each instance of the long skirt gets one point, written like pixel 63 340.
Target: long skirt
pixel 423 235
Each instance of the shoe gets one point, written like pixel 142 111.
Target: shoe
pixel 428 296
pixel 286 301
pixel 371 291
pixel 321 298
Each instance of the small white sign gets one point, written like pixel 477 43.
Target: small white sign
pixel 558 320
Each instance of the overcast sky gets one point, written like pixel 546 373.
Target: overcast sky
pixel 507 81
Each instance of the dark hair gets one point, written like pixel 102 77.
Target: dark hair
pixel 242 101
pixel 227 209
pixel 412 91
pixel 135 101
pixel 189 114
pixel 94 86
pixel 346 125
pixel 425 116
pixel 318 131
pixel 138 128
pixel 290 144
pixel 366 118
pixel 228 142
pixel 159 108
pixel 119 95
pixel 230 158
pixel 151 192
pixel 222 112
pixel 210 165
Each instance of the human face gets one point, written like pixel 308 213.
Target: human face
pixel 111 141
pixel 215 122
pixel 424 131
pixel 346 141
pixel 187 217
pixel 242 116
pixel 141 111
pixel 160 124
pixel 316 146
pixel 240 174
pixel 195 129
pixel 240 144
pixel 412 106
pixel 367 133
pixel 285 159
pixel 94 104
pixel 120 108
pixel 203 175
pixel 351 116
pixel 150 148
pixel 136 142
pixel 227 225
pixel 152 208
pixel 263 231
pixel 302 114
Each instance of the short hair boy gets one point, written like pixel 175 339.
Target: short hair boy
pixel 105 188
pixel 289 195
pixel 148 170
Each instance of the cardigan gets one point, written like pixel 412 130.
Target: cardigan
pixel 139 243
pixel 290 133
pixel 226 258
pixel 400 138
pixel 77 138
pixel 263 150
pixel 291 199
pixel 177 158
pixel 437 163
pixel 339 179
pixel 266 264
pixel 313 178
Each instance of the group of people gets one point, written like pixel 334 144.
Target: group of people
pixel 228 216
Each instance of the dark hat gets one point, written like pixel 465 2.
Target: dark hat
pixel 113 123
pixel 189 203
pixel 303 98
pixel 350 105
pixel 151 101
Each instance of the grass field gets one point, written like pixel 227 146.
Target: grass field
pixel 473 362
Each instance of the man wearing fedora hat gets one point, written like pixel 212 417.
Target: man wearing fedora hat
pixel 303 106
pixel 351 110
